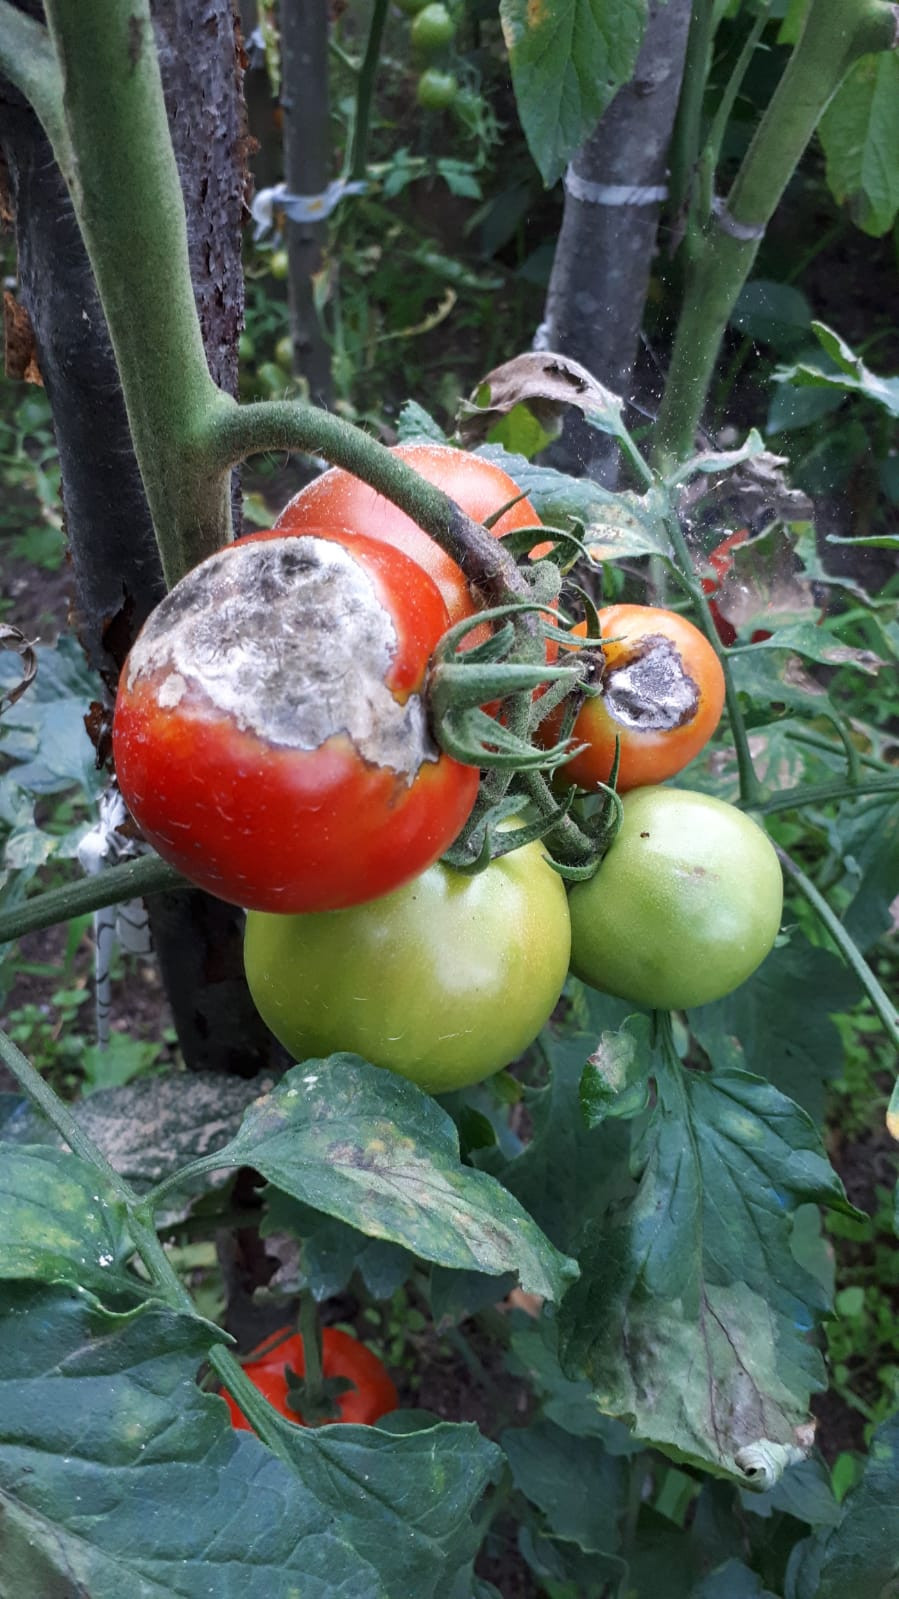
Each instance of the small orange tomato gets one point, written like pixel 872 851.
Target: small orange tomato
pixel 662 697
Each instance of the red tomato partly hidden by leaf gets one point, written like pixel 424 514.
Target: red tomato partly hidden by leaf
pixel 721 561
pixel 662 697
pixel 479 487
pixel 271 733
pixel 372 1397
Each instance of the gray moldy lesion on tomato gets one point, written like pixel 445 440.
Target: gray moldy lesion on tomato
pixel 653 690
pixel 288 639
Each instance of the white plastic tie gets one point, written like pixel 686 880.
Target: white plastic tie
pixel 301 207
pixel 613 193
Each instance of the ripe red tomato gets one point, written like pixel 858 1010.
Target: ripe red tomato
pixel 477 486
pixel 721 561
pixel 271 735
pixel 662 697
pixel 342 1356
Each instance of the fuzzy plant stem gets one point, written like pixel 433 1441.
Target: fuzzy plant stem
pixel 116 156
pixel 836 34
pixel 365 90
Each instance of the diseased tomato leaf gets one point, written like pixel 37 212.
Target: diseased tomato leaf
pixel 611 525
pixel 692 1314
pixel 119 1476
pixel 568 60
pixel 368 1147
pixel 148 1128
pixel 62 1223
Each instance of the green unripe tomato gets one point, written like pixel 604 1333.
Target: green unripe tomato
pixel 411 7
pixel 284 352
pixel 436 90
pixel 445 981
pixel 685 906
pixel 278 264
pixel 246 349
pixel 432 29
pixel 270 378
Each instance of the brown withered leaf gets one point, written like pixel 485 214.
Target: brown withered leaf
pixel 12 639
pixel 18 342
pixel 547 383
pixel 765 581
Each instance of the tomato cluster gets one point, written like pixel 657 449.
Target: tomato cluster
pixel 272 739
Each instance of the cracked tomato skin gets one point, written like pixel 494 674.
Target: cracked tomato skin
pixel 663 694
pixel 684 907
pixel 271 735
pixel 478 487
pixel 445 981
pixel 373 1396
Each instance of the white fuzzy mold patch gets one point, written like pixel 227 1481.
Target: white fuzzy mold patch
pixel 653 691
pixel 289 639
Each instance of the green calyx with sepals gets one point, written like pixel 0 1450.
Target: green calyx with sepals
pixel 507 668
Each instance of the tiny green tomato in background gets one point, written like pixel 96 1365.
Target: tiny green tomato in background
pixel 432 29
pixel 436 90
pixel 445 981
pixel 685 906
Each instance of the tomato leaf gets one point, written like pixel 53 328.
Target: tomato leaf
pixel 370 1148
pixel 149 1128
pixel 859 1556
pixel 692 1314
pixel 62 1223
pixel 117 1475
pixel 777 1024
pixel 611 525
pixel 568 59
pixel 580 1489
pixel 860 134
pixel 331 1252
pixel 568 1171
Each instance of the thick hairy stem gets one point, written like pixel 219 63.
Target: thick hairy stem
pixel 236 432
pixel 836 34
pixel 365 89
pixel 120 169
pixel 685 144
pixel 28 61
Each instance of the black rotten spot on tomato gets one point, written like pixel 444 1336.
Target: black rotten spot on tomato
pixel 662 698
pixel 271 733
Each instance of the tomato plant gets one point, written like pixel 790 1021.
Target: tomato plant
pixel 371 1396
pixel 479 487
pixel 662 698
pixel 685 905
pixel 444 981
pixel 271 733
